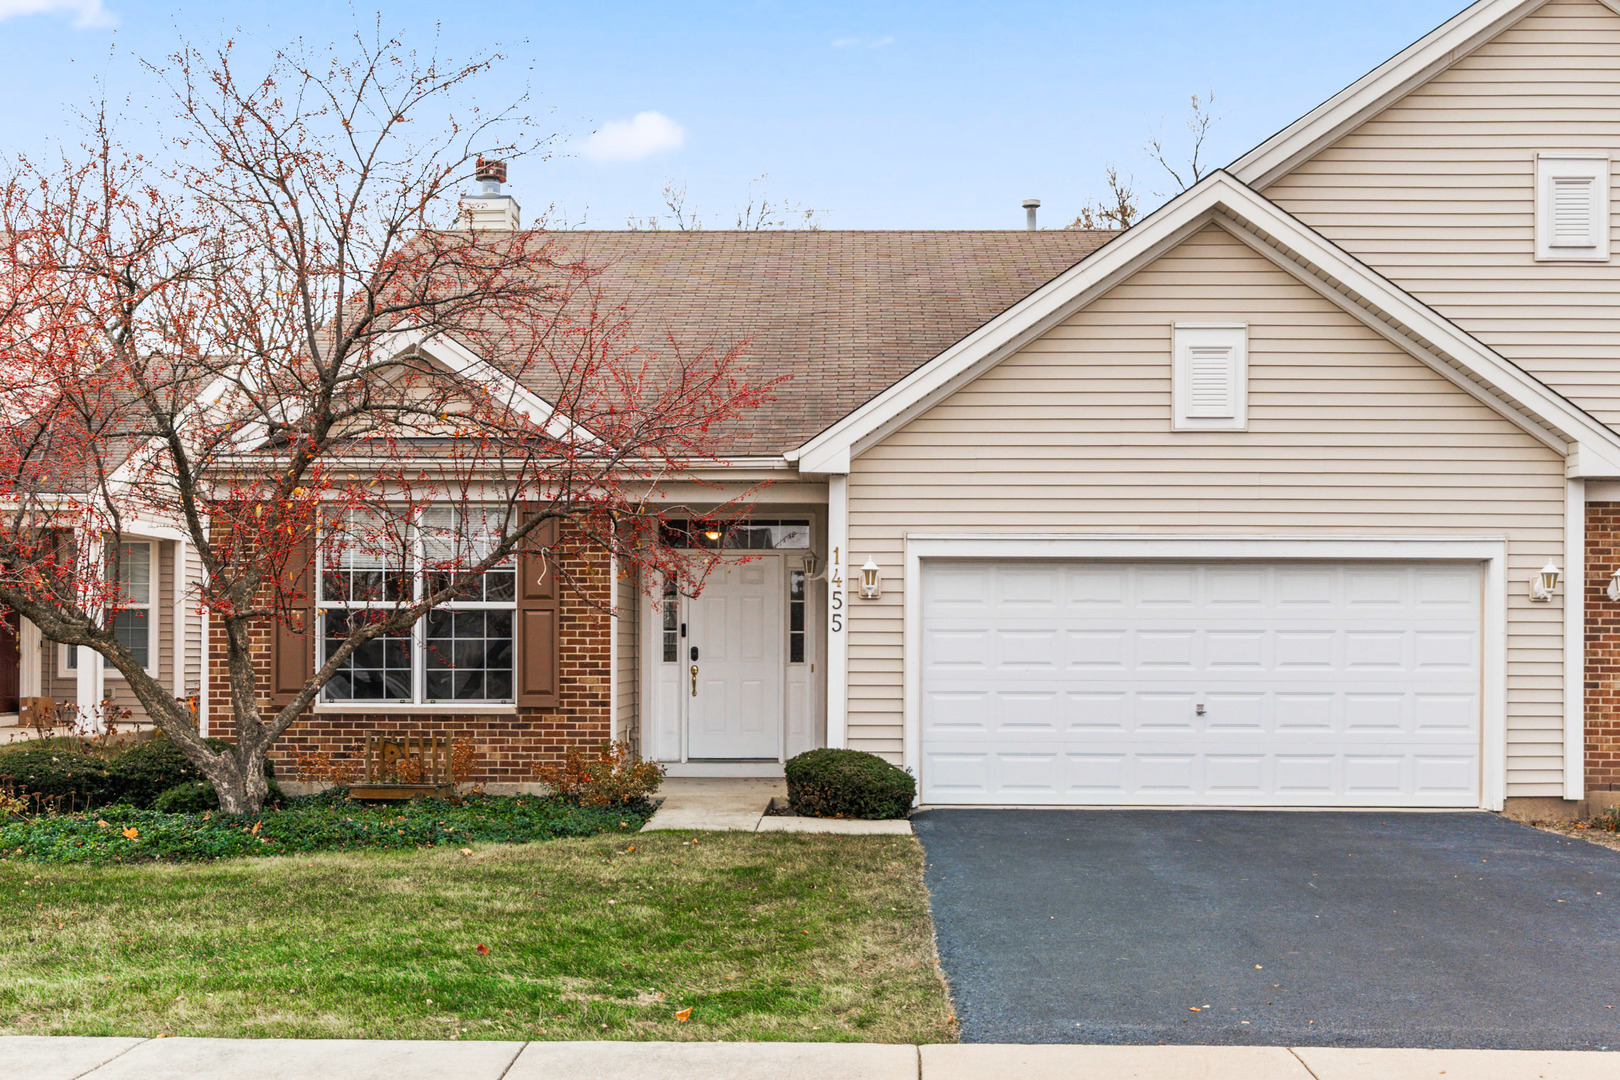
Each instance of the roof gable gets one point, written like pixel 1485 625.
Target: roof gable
pixel 1287 242
pixel 1371 94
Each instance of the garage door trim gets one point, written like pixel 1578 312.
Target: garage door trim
pixel 1489 551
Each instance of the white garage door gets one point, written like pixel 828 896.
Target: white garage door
pixel 1220 684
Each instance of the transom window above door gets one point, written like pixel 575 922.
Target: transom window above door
pixel 786 535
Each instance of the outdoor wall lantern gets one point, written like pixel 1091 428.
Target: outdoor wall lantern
pixel 1614 586
pixel 812 566
pixel 1544 583
pixel 871 584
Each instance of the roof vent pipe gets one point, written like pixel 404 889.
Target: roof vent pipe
pixel 1030 206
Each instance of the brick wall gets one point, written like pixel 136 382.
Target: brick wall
pixel 1602 649
pixel 509 745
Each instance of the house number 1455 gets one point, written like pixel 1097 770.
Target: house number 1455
pixel 835 598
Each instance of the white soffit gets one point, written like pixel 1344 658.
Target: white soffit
pixel 1289 243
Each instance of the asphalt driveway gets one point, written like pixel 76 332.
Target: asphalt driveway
pixel 1345 929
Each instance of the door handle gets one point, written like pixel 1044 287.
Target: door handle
pixel 694 680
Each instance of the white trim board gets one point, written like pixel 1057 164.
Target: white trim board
pixel 1291 245
pixel 1489 551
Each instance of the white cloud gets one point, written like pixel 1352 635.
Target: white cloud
pixel 87 14
pixel 643 135
pixel 862 43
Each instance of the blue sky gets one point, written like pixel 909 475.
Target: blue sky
pixel 880 115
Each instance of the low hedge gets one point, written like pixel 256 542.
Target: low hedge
pixel 71 775
pixel 848 784
pixel 325 822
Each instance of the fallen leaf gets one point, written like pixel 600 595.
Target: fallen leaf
pixel 102 823
pixel 257 825
pixel 684 1015
pixel 131 832
pixel 483 950
pixel 466 851
pixel 1194 1008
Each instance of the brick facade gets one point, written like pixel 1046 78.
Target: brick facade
pixel 509 746
pixel 1602 649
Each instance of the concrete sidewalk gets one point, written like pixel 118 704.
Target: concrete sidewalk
pixel 738 805
pixel 68 1058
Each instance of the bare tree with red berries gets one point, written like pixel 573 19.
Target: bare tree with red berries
pixel 280 336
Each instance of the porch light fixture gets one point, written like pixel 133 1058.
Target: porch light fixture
pixel 871 584
pixel 812 564
pixel 711 534
pixel 1543 584
pixel 1614 586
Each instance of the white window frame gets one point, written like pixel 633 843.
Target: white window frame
pixel 418 636
pixel 151 607
pixel 1552 166
pixel 1184 338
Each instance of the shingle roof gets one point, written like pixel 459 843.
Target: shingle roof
pixel 843 314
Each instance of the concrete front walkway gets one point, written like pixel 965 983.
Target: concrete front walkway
pixel 38 1058
pixel 738 805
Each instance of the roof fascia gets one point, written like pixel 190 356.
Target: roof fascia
pixel 1378 89
pixel 1345 280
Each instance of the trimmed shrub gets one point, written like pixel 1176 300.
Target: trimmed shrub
pixel 199 796
pixel 147 769
pixel 191 797
pixel 848 784
pixel 71 774
pixel 58 774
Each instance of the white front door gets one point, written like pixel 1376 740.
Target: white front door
pixel 734 658
pixel 1295 684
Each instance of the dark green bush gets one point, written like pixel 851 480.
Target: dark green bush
pixel 59 774
pixel 199 796
pixel 70 774
pixel 848 784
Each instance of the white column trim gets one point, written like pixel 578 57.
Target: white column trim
pixel 1489 551
pixel 90 686
pixel 177 649
pixel 30 647
pixel 1575 640
pixel 837 611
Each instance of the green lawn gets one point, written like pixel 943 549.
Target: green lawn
pixel 762 936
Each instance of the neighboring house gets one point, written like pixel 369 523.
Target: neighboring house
pixel 1248 505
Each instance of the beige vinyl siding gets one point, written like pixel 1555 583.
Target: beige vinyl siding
pixel 193 623
pixel 627 690
pixel 1438 193
pixel 1347 435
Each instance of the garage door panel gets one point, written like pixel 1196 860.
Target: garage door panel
pixel 1319 685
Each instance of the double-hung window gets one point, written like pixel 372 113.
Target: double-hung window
pixel 134 565
pixel 461 651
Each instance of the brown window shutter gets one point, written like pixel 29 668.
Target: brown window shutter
pixel 292 645
pixel 537 628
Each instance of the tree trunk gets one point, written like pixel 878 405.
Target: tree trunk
pixel 238 779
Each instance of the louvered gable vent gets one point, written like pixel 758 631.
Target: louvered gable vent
pixel 1572 207
pixel 1572 211
pixel 1210 381
pixel 1211 372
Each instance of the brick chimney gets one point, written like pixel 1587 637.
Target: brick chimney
pixel 490 210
